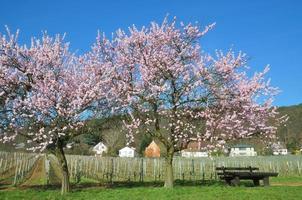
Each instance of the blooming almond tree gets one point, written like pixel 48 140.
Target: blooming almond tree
pixel 176 94
pixel 15 78
pixel 64 90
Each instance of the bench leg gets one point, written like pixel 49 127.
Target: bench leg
pixel 266 181
pixel 235 181
pixel 256 182
pixel 228 181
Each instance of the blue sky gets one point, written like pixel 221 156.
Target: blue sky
pixel 270 32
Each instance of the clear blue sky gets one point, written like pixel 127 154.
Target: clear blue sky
pixel 270 32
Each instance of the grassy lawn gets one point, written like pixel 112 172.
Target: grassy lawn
pixel 188 193
pixel 282 188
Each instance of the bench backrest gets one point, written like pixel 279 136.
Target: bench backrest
pixel 224 169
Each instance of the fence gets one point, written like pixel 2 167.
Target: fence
pixel 108 169
pixel 16 165
pixel 148 169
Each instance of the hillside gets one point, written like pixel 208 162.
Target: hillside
pixel 110 130
pixel 291 134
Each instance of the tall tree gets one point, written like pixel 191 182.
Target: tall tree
pixel 64 91
pixel 176 93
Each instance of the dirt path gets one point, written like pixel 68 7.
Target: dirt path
pixel 55 174
pixel 287 184
pixel 37 177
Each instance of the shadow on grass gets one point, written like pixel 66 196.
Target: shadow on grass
pixel 124 184
pixel 130 184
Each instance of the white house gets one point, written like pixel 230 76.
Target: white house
pixel 242 150
pixel 194 150
pixel 69 145
pixel 194 154
pixel 127 152
pixel 278 149
pixel 100 148
pixel 20 146
pixel 277 152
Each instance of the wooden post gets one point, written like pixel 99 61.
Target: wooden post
pixel 266 181
pixel 1 160
pixel 5 164
pixel 47 165
pixel 256 182
pixel 111 173
pixel 22 169
pixel 16 174
pixel 193 169
pixel 141 175
pixel 235 181
pixel 154 172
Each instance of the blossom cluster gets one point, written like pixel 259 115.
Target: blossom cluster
pixel 46 90
pixel 183 94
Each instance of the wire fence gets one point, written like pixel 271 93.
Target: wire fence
pixel 153 169
pixel 113 169
pixel 15 166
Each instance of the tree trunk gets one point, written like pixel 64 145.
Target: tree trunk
pixel 169 179
pixel 64 169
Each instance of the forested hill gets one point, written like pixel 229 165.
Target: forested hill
pixel 291 134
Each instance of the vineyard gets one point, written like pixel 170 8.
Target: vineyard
pixel 15 167
pixel 148 169
pixel 42 169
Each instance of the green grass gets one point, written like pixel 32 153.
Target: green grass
pixel 284 179
pixel 187 193
pixel 287 188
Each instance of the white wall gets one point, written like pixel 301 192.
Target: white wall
pixel 197 154
pixel 243 152
pixel 280 152
pixel 99 149
pixel 126 152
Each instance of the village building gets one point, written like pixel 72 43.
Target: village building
pixel 242 150
pixel 69 145
pixel 127 152
pixel 280 152
pixel 278 149
pixel 100 149
pixel 20 146
pixel 152 151
pixel 194 150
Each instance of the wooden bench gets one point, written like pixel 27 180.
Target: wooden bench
pixel 233 175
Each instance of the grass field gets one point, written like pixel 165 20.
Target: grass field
pixel 187 193
pixel 286 188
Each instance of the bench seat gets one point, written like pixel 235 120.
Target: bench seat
pixel 233 175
